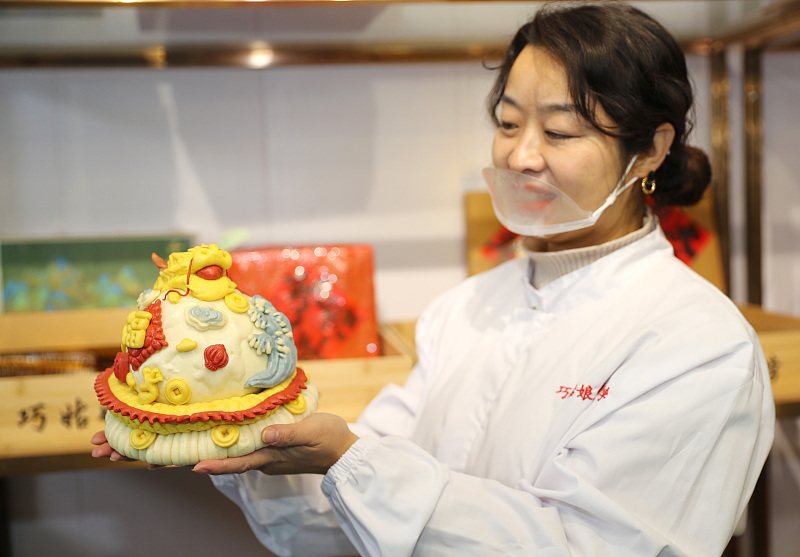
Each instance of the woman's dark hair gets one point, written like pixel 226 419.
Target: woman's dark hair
pixel 622 59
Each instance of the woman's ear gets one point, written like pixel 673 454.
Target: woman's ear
pixel 651 158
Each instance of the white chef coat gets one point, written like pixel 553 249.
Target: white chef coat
pixel 623 409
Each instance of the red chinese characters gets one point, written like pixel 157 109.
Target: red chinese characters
pixel 583 392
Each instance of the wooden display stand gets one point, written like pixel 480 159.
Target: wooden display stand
pixel 46 421
pixel 780 338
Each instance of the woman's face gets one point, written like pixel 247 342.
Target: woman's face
pixel 542 134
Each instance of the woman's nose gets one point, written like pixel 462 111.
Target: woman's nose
pixel 526 155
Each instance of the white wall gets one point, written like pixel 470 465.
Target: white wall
pixel 781 179
pixel 375 154
pixel 781 268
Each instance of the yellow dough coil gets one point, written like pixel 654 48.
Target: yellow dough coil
pixel 140 439
pixel 237 303
pixel 225 435
pixel 296 406
pixel 177 391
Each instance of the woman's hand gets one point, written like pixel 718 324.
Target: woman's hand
pixel 103 449
pixel 312 445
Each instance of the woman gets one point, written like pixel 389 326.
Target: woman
pixel 594 398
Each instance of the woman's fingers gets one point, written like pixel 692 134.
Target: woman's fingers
pixel 312 446
pixel 99 438
pixel 234 465
pixel 104 449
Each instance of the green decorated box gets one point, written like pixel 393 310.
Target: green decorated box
pixel 64 274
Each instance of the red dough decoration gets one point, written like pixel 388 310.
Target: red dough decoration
pixel 120 366
pixel 211 272
pixel 109 399
pixel 216 357
pixel 154 339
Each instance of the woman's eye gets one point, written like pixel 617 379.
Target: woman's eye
pixel 558 135
pixel 507 125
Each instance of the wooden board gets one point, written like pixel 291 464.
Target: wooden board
pixel 48 414
pixel 782 350
pixel 780 338
pixel 35 331
pixel 481 225
pixel 767 321
pixel 398 339
pixel 347 386
pixel 708 263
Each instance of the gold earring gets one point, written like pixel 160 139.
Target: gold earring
pixel 648 189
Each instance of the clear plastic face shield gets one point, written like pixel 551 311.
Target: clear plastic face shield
pixel 529 206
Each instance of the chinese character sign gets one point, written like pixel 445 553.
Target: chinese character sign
pixel 582 392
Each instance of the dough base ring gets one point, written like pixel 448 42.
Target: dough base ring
pixel 190 447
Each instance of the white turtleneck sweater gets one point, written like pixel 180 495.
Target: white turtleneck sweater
pixel 545 267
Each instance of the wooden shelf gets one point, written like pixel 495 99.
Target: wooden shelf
pixel 256 50
pixel 88 329
pixel 62 4
pixel 249 55
pixel 780 338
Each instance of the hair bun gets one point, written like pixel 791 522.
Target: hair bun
pixel 688 184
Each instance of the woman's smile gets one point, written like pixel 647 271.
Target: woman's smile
pixel 536 198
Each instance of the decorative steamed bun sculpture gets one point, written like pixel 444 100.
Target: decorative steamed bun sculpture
pixel 202 368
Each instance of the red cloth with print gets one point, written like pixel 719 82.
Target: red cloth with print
pixel 326 292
